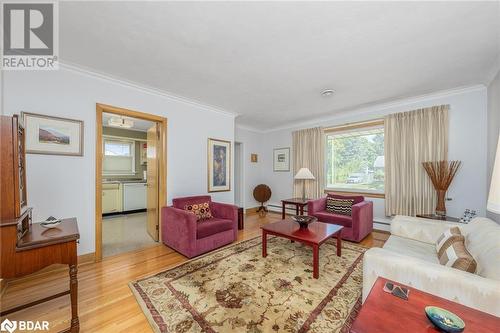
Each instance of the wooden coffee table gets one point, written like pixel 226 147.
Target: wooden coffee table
pixel 315 235
pixel 385 313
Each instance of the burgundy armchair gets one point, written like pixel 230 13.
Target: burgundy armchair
pixel 182 232
pixel 356 227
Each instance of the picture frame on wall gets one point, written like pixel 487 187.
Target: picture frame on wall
pixel 281 159
pixel 219 165
pixel 52 135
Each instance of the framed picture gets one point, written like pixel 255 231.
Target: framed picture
pixel 254 158
pixel 281 159
pixel 52 135
pixel 219 165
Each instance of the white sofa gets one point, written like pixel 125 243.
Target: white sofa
pixel 409 257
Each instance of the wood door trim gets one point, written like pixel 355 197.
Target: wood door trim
pixel 162 172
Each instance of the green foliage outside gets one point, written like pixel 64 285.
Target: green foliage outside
pixel 350 162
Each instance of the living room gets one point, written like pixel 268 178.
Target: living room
pixel 268 112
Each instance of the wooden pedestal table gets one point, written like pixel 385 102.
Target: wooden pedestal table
pixel 38 248
pixel 314 235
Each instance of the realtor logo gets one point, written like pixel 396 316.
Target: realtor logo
pixel 30 39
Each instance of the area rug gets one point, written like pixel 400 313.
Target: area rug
pixel 235 289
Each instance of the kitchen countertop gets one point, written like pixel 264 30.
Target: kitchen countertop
pixel 123 181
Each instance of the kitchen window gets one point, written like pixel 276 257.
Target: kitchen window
pixel 355 158
pixel 119 157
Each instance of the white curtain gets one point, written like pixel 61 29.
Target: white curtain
pixel 412 138
pixel 309 152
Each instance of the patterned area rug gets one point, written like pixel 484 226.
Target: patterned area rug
pixel 236 290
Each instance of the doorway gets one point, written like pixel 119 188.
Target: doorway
pixel 130 179
pixel 239 195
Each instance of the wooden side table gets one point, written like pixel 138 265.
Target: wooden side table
pixel 297 202
pixel 38 248
pixel 439 217
pixel 385 313
pixel 241 221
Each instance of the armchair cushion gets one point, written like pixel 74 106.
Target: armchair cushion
pixel 180 203
pixel 412 248
pixel 328 217
pixel 212 226
pixel 339 206
pixel 356 198
pixel 201 210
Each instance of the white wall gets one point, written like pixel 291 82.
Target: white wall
pixel 64 186
pixel 252 172
pixel 467 142
pixel 493 129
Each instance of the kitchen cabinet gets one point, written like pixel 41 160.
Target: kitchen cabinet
pixel 134 196
pixel 111 198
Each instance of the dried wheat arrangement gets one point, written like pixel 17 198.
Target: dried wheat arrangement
pixel 441 174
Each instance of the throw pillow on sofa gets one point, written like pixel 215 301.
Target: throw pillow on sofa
pixel 447 238
pixel 457 256
pixel 339 206
pixel 201 210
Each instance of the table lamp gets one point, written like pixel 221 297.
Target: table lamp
pixel 494 197
pixel 304 174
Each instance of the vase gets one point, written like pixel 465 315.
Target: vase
pixel 440 206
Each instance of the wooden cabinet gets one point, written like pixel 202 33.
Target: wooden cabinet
pixel 13 168
pixel 111 198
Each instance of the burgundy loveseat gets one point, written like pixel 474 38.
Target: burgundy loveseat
pixel 182 232
pixel 356 227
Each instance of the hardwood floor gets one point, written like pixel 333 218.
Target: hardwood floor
pixel 106 303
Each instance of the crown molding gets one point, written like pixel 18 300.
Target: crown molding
pixel 250 128
pixel 495 70
pixel 367 109
pixel 143 88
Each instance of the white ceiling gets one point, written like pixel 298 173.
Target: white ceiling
pixel 139 124
pixel 269 61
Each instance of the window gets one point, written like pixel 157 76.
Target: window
pixel 119 157
pixel 355 158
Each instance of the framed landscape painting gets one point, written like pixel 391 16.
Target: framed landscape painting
pixel 219 165
pixel 52 135
pixel 281 159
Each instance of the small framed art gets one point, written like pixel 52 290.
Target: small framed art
pixel 281 159
pixel 52 135
pixel 219 165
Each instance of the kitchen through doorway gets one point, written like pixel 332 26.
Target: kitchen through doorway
pixel 130 191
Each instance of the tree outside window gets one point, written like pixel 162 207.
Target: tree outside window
pixel 355 160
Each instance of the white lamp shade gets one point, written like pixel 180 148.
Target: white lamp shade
pixel 304 173
pixel 494 197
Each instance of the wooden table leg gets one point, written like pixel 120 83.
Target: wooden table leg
pixel 264 243
pixel 73 287
pixel 315 261
pixel 283 211
pixel 296 209
pixel 339 244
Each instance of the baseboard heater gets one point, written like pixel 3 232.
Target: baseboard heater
pixel 288 210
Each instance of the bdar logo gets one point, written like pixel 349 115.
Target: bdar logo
pixel 7 325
